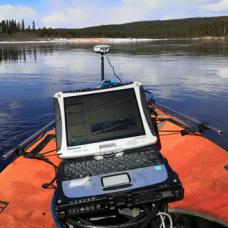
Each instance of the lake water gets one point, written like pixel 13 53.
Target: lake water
pixel 190 76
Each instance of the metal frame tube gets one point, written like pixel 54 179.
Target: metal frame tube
pixel 26 141
pixel 213 129
pixel 102 66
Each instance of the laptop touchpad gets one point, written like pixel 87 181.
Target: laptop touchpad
pixel 116 182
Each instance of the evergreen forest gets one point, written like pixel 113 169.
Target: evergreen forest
pixel 158 29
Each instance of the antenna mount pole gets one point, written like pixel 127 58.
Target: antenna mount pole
pixel 102 49
pixel 102 66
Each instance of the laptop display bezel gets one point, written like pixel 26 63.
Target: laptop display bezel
pixel 117 145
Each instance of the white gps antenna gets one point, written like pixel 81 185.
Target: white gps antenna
pixel 103 49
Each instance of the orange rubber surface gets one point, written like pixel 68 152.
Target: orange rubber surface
pixel 21 186
pixel 198 162
pixel 200 165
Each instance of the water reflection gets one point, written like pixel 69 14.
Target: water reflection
pixel 19 51
pixel 189 76
pixel 9 53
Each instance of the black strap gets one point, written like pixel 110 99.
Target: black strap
pixel 42 144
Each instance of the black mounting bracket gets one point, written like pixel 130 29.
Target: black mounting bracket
pixel 201 128
pixel 19 150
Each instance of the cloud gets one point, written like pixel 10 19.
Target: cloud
pixel 215 7
pixel 86 13
pixel 70 16
pixel 17 12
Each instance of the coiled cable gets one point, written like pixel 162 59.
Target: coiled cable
pixel 142 220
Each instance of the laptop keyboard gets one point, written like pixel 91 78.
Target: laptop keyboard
pixel 93 167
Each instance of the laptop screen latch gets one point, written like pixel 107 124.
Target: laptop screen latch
pixel 108 149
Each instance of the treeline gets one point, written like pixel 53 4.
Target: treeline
pixel 213 28
pixel 180 24
pixel 178 28
pixel 10 26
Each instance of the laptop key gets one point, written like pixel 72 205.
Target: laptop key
pixel 67 178
pixel 153 156
pixel 101 171
pixel 120 167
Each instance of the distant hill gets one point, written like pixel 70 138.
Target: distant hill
pixel 158 29
pixel 175 28
pixel 184 23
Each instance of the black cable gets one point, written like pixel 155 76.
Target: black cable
pixel 63 224
pixel 163 208
pixel 147 210
pixel 149 218
pixel 36 156
pixel 46 185
pixel 49 151
pixel 139 219
pixel 49 155
pixel 125 225
pixel 143 219
pixel 113 68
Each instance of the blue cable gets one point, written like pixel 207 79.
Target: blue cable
pixel 57 223
pixel 108 82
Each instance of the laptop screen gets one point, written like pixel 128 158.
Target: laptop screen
pixel 102 117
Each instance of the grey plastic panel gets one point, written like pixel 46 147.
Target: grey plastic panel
pixel 89 186
pixel 146 111
pixel 58 124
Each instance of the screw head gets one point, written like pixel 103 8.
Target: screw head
pixel 58 95
pixel 175 180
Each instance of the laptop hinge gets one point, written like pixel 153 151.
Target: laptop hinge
pixel 108 149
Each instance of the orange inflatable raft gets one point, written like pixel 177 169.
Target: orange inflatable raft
pixel 201 164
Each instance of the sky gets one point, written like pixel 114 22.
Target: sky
pixel 86 13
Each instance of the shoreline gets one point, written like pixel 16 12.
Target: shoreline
pixel 210 38
pixel 108 40
pixel 82 40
